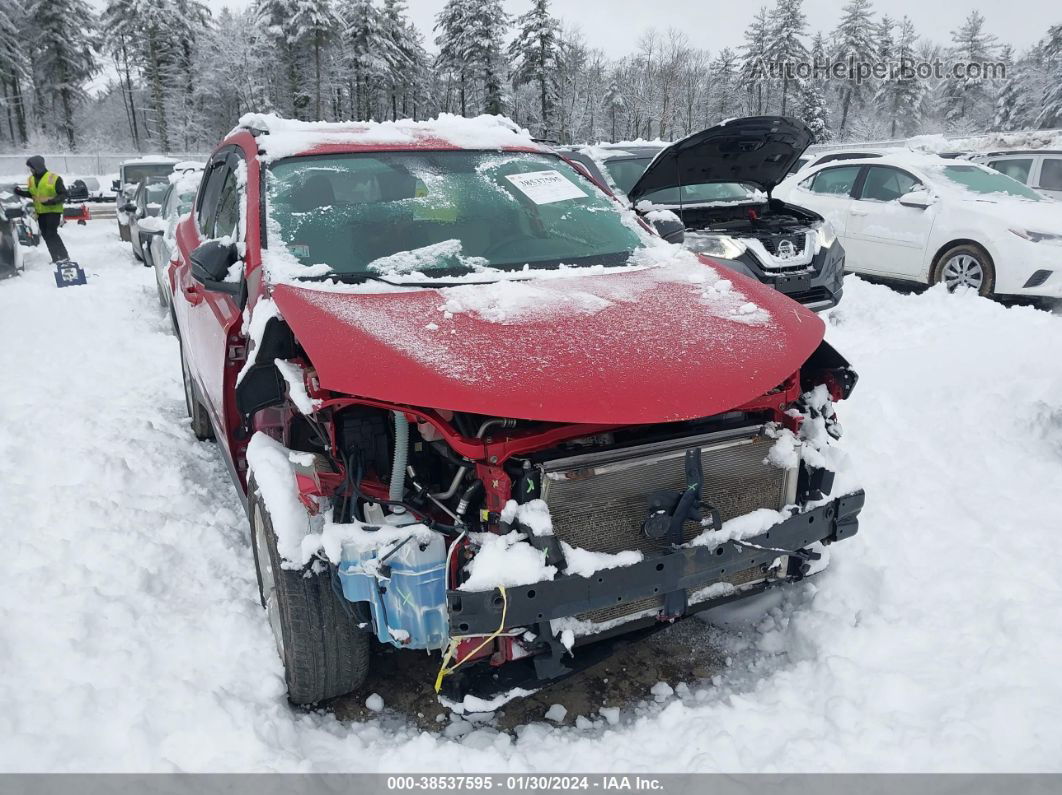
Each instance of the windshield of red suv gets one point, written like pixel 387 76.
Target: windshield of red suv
pixel 439 212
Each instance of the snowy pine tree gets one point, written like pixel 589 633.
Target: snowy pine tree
pixel 534 54
pixel 722 101
pixel 967 102
pixel 470 48
pixel 14 70
pixel 854 42
pixel 314 25
pixel 120 42
pixel 613 100
pixel 899 96
pixel 59 36
pixel 754 55
pixel 273 19
pixel 365 62
pixel 812 109
pixel 400 49
pixel 1051 110
pixel 787 48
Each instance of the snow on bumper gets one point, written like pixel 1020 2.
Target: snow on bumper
pixel 701 574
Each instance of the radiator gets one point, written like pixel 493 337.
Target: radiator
pixel 599 500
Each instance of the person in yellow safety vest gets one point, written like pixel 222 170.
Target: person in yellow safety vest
pixel 47 190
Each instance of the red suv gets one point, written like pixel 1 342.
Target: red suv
pixel 476 407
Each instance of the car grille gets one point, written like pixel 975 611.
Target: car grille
pixel 814 295
pixel 598 501
pixel 773 242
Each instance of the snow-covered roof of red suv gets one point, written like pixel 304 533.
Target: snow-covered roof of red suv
pixel 278 137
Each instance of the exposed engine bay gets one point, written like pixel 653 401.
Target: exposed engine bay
pixel 781 236
pixel 619 520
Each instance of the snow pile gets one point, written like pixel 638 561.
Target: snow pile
pixel 513 302
pixel 586 562
pixel 295 377
pixel 416 259
pixel 288 137
pixel 255 319
pixel 991 142
pixel 506 560
pixel 534 515
pixel 270 463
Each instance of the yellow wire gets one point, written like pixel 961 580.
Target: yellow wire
pixel 452 645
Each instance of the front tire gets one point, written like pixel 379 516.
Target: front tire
pixel 325 654
pixel 965 265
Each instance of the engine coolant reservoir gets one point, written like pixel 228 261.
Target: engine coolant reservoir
pixel 405 587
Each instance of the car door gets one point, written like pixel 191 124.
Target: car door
pixel 1049 181
pixel 159 244
pixel 139 208
pixel 209 315
pixel 829 193
pixel 890 238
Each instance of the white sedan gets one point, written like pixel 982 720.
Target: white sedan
pixel 926 219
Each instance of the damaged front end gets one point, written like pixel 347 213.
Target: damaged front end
pixel 522 550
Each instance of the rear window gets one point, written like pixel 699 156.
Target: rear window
pixel 133 174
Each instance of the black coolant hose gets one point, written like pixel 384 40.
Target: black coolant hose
pixel 466 498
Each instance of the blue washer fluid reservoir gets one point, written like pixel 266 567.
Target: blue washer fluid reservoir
pixel 406 592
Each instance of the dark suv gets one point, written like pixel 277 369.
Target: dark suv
pixel 719 182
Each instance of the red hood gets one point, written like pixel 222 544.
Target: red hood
pixel 614 348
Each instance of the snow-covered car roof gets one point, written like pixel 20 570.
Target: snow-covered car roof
pixel 898 157
pixel 279 137
pixel 149 160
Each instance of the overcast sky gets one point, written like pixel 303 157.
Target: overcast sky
pixel 615 25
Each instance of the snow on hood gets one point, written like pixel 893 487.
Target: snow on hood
pixel 667 341
pixel 288 137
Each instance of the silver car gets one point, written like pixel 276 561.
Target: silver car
pixel 1040 169
pixel 159 242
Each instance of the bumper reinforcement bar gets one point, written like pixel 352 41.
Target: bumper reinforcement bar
pixel 479 612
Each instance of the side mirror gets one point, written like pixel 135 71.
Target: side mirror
pixel 13 212
pixel 128 207
pixel 211 262
pixel 918 199
pixel 668 226
pixel 116 186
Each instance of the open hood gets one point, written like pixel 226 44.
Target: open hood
pixel 624 348
pixel 757 151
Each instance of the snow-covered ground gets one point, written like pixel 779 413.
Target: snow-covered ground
pixel 131 638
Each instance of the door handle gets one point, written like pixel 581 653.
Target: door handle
pixel 858 212
pixel 193 294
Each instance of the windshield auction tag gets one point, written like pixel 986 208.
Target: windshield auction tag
pixel 545 187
